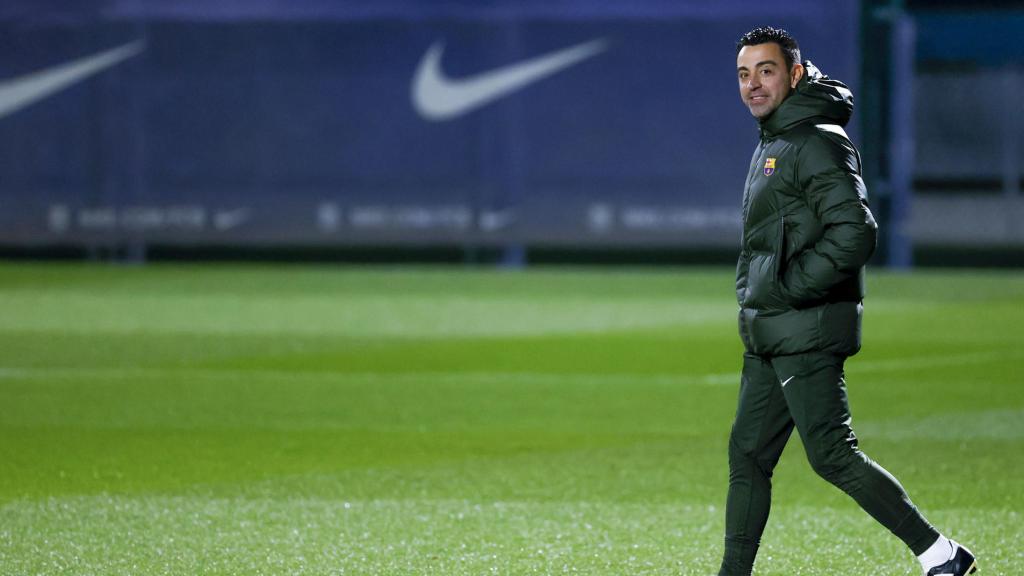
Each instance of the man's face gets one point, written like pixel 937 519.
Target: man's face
pixel 764 80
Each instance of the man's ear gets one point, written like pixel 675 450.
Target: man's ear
pixel 795 75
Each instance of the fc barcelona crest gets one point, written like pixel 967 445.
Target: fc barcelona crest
pixel 769 167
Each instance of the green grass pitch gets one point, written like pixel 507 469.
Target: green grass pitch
pixel 329 420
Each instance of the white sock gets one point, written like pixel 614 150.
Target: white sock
pixel 938 553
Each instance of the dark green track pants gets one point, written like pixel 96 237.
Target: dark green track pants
pixel 807 391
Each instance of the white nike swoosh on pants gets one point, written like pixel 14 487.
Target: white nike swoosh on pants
pixel 438 97
pixel 23 91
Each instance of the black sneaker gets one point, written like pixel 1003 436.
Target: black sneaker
pixel 960 564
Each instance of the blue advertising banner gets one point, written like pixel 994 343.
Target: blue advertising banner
pixel 322 123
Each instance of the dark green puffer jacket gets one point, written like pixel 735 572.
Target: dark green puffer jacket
pixel 807 230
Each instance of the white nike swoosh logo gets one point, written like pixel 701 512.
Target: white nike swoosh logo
pixel 23 91
pixel 787 381
pixel 438 97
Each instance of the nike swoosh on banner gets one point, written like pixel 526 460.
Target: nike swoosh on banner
pixel 17 93
pixel 437 97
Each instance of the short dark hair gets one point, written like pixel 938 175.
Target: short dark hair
pixel 765 34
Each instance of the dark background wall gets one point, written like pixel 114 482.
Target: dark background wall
pixel 292 125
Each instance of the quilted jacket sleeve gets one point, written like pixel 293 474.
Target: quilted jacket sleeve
pixel 828 172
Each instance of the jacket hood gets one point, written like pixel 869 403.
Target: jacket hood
pixel 816 97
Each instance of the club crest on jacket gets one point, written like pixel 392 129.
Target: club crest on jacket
pixel 769 167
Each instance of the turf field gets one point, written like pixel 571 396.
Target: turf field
pixel 328 420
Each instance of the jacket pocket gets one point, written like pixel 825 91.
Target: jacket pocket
pixel 780 248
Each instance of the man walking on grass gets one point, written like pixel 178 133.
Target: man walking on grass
pixel 807 233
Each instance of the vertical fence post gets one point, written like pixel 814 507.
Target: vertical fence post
pixel 1012 126
pixel 901 140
